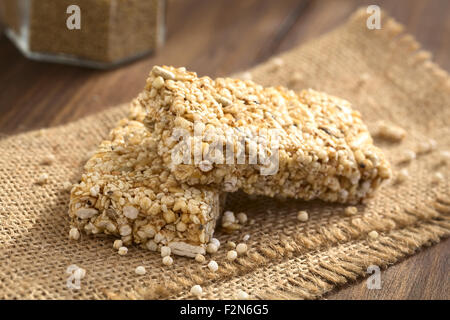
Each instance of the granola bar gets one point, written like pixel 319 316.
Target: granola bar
pixel 126 191
pixel 323 149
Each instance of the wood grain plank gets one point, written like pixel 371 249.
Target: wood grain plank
pixel 422 276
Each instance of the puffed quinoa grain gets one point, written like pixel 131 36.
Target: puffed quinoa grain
pixel 231 255
pixel 117 244
pixel 123 251
pixel 165 251
pixel 302 216
pixel 43 178
pixel 197 290
pixel 407 156
pixel 242 295
pixel 216 242
pixel 402 175
pixel 74 234
pixel 295 77
pixel 200 258
pixel 241 248
pixel 246 76
pixel 211 248
pixel 318 138
pixel 277 62
pixel 444 156
pixel 167 260
pixel 350 211
pixel 213 266
pixel 140 270
pixel 437 177
pixel 426 146
pixel 228 217
pixel 373 234
pixel 242 217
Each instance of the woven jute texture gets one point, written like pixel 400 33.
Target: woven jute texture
pixel 382 72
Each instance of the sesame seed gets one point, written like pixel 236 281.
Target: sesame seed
pixel 211 248
pixel 140 270
pixel 167 260
pixel 246 237
pixel 123 251
pixel 166 74
pixel 197 290
pixel 231 244
pixel 242 295
pixel 231 255
pixel 158 83
pixel 302 216
pixel 117 244
pixel 200 258
pixel 373 234
pixel 241 248
pixel 213 266
pixel 390 132
pixel 349 211
pixel 74 234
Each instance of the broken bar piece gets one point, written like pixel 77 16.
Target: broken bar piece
pixel 126 191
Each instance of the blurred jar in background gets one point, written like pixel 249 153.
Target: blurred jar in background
pixel 94 33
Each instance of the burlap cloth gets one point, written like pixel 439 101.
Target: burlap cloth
pixel 382 72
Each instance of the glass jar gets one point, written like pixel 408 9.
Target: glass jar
pixel 94 33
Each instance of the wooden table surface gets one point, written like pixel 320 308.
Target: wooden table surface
pixel 218 38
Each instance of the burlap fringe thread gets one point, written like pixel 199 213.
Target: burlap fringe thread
pixel 401 234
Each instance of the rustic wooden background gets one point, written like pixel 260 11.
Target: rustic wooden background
pixel 218 38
